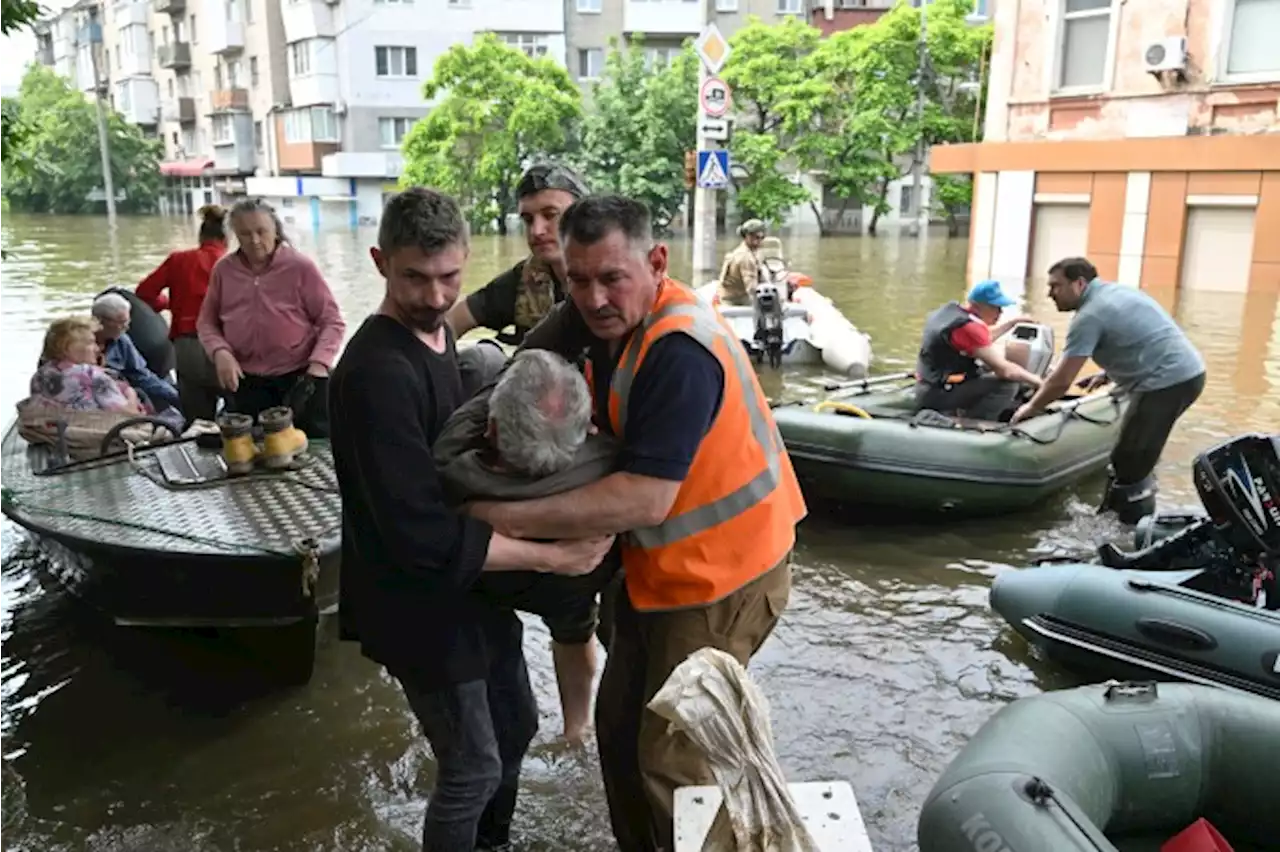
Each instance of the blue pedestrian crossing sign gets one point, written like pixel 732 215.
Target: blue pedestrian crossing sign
pixel 713 169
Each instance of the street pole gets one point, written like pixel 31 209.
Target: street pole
pixel 704 200
pixel 917 166
pixel 104 140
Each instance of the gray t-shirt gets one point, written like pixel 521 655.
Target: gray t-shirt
pixel 1130 336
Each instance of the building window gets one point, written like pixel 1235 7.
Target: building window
pixel 257 136
pixel 401 2
pixel 1085 43
pixel 234 75
pixel 324 125
pixel 253 71
pixel 590 63
pixel 396 61
pixel 656 57
pixel 726 5
pixel 300 58
pixel 1253 50
pixel 222 129
pixel 533 44
pixel 393 131
pixel 314 124
pixel 589 7
pixel 788 7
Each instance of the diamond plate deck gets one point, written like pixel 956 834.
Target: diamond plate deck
pixel 114 505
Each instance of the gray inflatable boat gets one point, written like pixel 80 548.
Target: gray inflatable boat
pixel 1119 767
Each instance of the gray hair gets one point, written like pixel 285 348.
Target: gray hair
pixel 542 410
pixel 110 305
pixel 259 205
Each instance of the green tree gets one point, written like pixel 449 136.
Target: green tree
pixel 58 151
pixel 641 123
pixel 769 75
pixel 955 86
pixel 14 15
pixel 498 111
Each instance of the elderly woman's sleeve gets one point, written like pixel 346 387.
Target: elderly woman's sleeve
pixel 209 323
pixel 325 314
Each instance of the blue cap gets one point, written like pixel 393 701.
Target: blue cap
pixel 989 293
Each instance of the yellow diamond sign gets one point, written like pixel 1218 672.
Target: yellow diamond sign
pixel 712 48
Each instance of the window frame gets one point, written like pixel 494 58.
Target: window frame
pixel 404 61
pixel 726 6
pixel 584 53
pixel 1058 34
pixel 1221 76
pixel 585 7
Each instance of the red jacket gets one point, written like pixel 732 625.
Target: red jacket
pixel 185 274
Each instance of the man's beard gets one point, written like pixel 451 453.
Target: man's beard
pixel 424 319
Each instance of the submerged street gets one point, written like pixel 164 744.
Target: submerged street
pixel 886 661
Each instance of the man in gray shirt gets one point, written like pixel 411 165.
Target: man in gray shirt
pixel 1144 352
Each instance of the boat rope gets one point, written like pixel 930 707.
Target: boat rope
pixel 13 499
pixel 842 408
pixel 1068 414
pixel 1040 793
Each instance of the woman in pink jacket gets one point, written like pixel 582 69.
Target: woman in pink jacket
pixel 270 323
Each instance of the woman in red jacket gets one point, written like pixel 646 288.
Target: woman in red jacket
pixel 185 275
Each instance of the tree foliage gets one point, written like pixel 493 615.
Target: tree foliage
pixel 57 154
pixel 499 110
pixel 768 74
pixel 641 122
pixel 846 107
pixel 14 15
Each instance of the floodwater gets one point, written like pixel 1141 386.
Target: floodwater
pixel 887 660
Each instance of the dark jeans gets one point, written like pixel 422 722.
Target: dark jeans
pixel 1146 429
pixel 479 732
pixel 198 391
pixel 979 398
pixel 567 604
pixel 258 393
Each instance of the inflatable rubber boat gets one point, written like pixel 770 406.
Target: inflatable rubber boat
pixel 791 323
pixel 1116 767
pixel 1205 608
pixel 867 444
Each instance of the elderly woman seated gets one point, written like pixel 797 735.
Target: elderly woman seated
pixel 531 436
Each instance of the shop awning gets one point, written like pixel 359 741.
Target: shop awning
pixel 185 168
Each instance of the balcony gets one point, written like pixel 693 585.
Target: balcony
pixel 314 88
pixel 225 36
pixel 366 164
pixel 831 16
pixel 229 100
pixel 130 13
pixel 137 99
pixel 662 17
pixel 44 54
pixel 90 33
pixel 175 56
pixel 181 110
pixel 233 149
pixel 169 7
pixel 307 19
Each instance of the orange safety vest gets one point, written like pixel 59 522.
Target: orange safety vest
pixel 735 514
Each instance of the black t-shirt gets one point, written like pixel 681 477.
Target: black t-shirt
pixel 493 306
pixel 408 561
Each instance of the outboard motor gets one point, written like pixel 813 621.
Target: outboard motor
pixel 1030 346
pixel 1239 484
pixel 769 309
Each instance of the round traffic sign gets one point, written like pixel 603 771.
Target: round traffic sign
pixel 715 97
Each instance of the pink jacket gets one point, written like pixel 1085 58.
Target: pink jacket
pixel 275 322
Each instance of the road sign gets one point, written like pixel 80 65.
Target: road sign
pixel 715 97
pixel 713 169
pixel 715 129
pixel 712 48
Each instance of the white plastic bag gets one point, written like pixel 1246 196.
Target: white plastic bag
pixel 711 699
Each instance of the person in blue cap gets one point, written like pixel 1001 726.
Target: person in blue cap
pixel 958 340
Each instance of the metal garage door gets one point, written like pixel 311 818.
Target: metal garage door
pixel 1218 249
pixel 1058 231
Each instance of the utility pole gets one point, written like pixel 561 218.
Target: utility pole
pixel 917 166
pixel 94 29
pixel 704 200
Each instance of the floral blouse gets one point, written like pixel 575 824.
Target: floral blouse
pixel 82 387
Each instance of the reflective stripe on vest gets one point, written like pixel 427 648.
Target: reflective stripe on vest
pixel 706 328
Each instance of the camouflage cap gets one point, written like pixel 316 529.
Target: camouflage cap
pixel 551 176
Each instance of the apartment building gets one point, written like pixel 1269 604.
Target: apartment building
pixel 65 43
pixel 1146 139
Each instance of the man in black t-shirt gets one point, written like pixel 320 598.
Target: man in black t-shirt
pixel 526 292
pixel 408 561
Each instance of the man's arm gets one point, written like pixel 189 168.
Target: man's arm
pixel 138 374
pixel 493 306
pixel 674 401
pixel 442 549
pixel 1000 330
pixel 1058 383
pixel 993 357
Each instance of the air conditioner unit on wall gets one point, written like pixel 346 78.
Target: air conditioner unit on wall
pixel 1166 54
